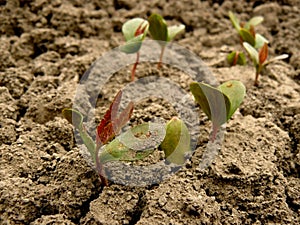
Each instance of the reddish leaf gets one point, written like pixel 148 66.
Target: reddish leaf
pixel 263 53
pixel 123 118
pixel 140 29
pixel 111 125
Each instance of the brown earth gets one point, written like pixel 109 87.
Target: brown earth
pixel 45 50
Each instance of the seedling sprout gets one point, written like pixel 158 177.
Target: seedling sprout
pixel 259 59
pixel 134 31
pixel 219 104
pixel 162 33
pixel 134 144
pixel 247 33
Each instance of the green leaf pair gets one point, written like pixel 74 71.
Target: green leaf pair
pixel 160 31
pixel 236 58
pixel 247 31
pixel 259 58
pixel 220 103
pixel 136 143
pixel 142 138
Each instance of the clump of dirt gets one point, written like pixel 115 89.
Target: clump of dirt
pixel 46 47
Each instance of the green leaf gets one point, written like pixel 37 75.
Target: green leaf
pixel 234 20
pixel 212 101
pixel 176 142
pixel 133 45
pixel 260 41
pixel 235 91
pixel 247 36
pixel 231 58
pixel 134 144
pixel 254 21
pixel 158 27
pixel 218 104
pixel 241 59
pixel 280 57
pixel 252 52
pixel 130 28
pixel 174 30
pixel 75 117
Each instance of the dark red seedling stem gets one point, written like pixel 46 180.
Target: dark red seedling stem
pixel 135 66
pixel 214 133
pixel 140 30
pixel 235 59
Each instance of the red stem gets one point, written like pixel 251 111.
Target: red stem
pixel 235 59
pixel 214 133
pixel 135 65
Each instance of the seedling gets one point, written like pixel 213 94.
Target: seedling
pixel 162 33
pixel 246 33
pixel 219 104
pixel 246 30
pixel 134 144
pixel 259 59
pixel 134 32
pixel 236 58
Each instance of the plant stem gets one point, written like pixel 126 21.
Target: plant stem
pixel 256 79
pixel 135 65
pixel 258 69
pixel 161 56
pixel 214 133
pixel 99 168
pixel 235 59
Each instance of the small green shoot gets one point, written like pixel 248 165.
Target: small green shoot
pixel 247 32
pixel 162 33
pixel 219 104
pixel 108 128
pixel 259 59
pixel 236 58
pixel 134 31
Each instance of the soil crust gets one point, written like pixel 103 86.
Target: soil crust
pixel 46 48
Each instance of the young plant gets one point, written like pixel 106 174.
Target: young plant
pixel 236 58
pixel 220 103
pixel 109 127
pixel 246 30
pixel 162 33
pixel 134 144
pixel 134 31
pixel 259 59
pixel 246 33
